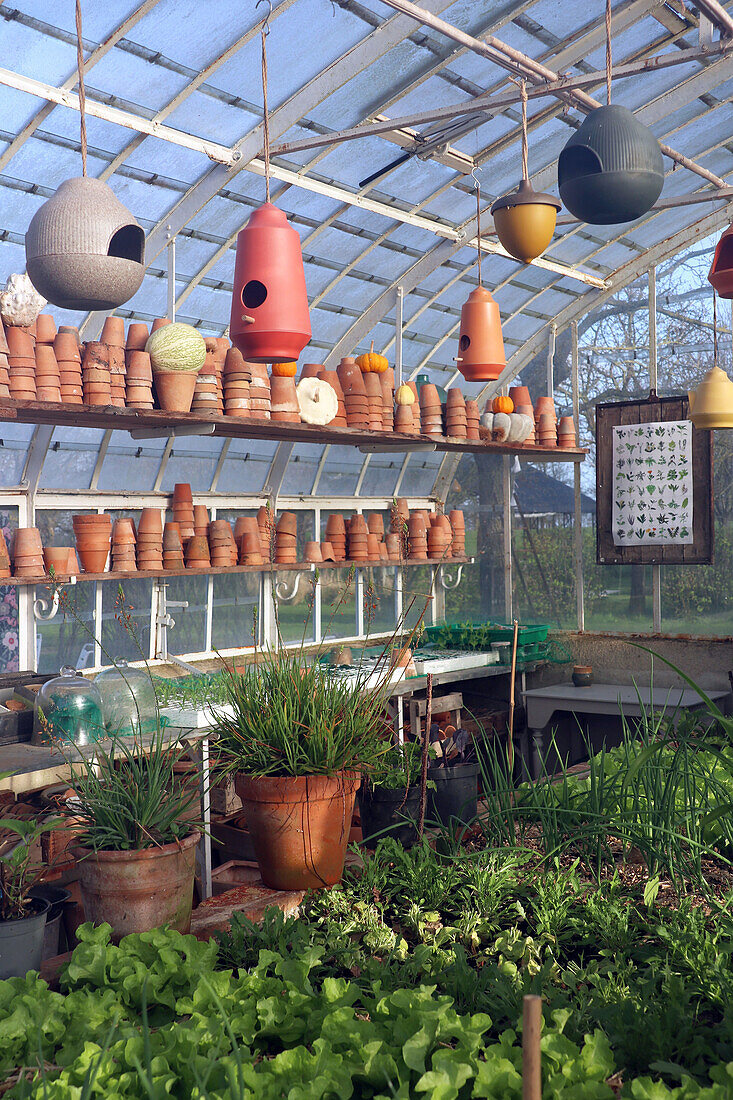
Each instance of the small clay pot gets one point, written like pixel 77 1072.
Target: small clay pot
pixel 520 395
pixel 159 322
pixel 335 524
pixel 138 366
pixel 66 347
pixel 582 675
pixel 287 523
pixel 113 332
pixel 20 342
pixel 174 389
pixel 312 551
pixel 200 515
pixel 58 558
pixel 93 560
pixel 150 522
pixel 45 329
pixel 137 336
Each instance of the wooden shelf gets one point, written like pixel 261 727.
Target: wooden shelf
pixel 163 423
pixel 296 567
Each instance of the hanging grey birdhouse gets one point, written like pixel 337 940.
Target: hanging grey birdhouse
pixel 84 249
pixel 611 169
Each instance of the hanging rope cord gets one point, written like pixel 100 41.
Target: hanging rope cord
pixel 478 228
pixel 82 95
pixel 715 329
pixel 266 117
pixel 608 52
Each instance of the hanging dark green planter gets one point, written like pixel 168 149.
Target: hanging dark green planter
pixel 611 169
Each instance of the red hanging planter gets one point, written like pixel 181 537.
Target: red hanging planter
pixel 721 270
pixel 481 355
pixel 270 320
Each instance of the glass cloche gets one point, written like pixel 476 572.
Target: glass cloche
pixel 128 699
pixel 68 711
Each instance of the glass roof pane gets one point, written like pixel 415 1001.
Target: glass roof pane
pixel 71 458
pixel 131 462
pixel 246 465
pixel 14 440
pixel 192 459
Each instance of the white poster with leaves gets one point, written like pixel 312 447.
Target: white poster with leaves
pixel 652 483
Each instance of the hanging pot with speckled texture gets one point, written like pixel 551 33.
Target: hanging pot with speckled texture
pixel 84 249
pixel 611 169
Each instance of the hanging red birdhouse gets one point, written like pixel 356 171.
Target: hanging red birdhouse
pixel 721 270
pixel 270 321
pixel 480 345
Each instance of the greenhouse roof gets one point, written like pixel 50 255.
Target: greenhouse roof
pixel 174 124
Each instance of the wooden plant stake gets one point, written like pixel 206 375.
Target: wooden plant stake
pixel 425 751
pixel 510 742
pixel 531 1056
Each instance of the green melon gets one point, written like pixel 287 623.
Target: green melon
pixel 176 347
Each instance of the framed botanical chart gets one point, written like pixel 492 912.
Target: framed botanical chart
pixel 654 484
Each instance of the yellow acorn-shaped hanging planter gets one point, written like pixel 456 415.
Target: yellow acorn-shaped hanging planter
pixel 525 219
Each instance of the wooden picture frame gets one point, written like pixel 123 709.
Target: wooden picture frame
pixel 651 410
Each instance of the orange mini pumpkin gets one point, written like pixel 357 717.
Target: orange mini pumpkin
pixel 284 370
pixel 502 405
pixel 372 362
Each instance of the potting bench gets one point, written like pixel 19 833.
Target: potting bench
pixel 610 699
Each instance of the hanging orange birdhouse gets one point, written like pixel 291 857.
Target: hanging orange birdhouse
pixel 270 321
pixel 721 270
pixel 481 345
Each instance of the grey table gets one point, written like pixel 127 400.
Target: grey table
pixel 611 699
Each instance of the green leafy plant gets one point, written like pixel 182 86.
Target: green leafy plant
pixel 18 872
pixel 398 767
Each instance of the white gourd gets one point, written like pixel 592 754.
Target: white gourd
pixel 516 427
pixel 487 420
pixel 502 426
pixel 528 425
pixel 317 401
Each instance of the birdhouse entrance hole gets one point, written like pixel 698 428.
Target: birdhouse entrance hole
pixel 128 243
pixel 576 161
pixel 254 294
pixel 465 342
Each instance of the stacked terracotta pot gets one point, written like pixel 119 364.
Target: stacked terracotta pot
pixel 286 532
pixel 336 535
pixel 113 337
pixel 150 539
pixel 28 553
pixel 22 364
pixel 440 536
pixel 68 356
pixel 93 540
pixel 200 520
pixel 284 400
pixel 331 376
pixel 4 555
pixel 96 374
pixel 183 513
pixel 373 388
pixel 123 546
pixel 206 391
pixel 355 395
pixel 386 381
pixel 566 432
pixel 358 540
pixel 405 420
pixel 545 422
pixel 313 552
pixel 458 527
pixel 172 547
pixel 418 537
pixel 266 524
pixel 4 364
pixel 247 538
pixel 431 413
pixel 138 371
pixel 222 547
pixel 236 385
pixel 48 382
pixel 456 422
pixel 197 552
pixel 259 391
pixel 472 419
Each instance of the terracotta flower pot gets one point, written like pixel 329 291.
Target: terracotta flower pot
pixel 45 329
pixel 312 552
pixel 246 525
pixel 299 827
pixel 58 557
pixel 151 522
pixel 113 332
pixel 93 559
pixel 182 493
pixel 174 389
pixel 159 322
pixel 137 336
pixel 137 891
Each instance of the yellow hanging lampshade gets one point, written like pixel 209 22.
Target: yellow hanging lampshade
pixel 711 404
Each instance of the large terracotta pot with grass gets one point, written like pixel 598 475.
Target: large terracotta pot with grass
pixel 141 889
pixel 299 826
